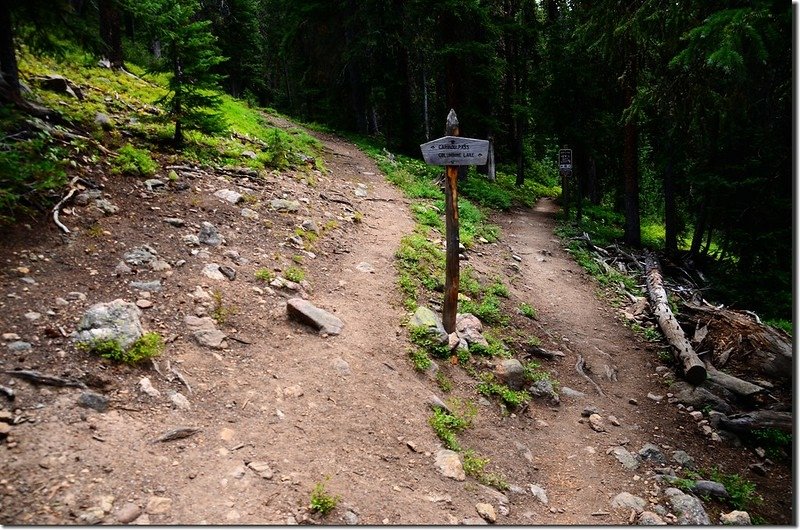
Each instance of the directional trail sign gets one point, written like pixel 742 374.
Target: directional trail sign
pixel 456 151
pixel 565 160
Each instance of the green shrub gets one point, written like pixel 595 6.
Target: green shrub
pixel 512 398
pixel 294 274
pixel 133 161
pixel 487 310
pixel 446 426
pixel 321 501
pixel 31 172
pixel 146 347
pixel 420 359
pixel 426 339
pixel 265 275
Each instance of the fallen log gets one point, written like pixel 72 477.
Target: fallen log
pixel 694 371
pixel 737 339
pixel 759 419
pixel 738 386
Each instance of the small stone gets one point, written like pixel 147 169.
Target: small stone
pixel 350 518
pixel 341 367
pixel 486 511
pixel 758 469
pixel 263 469
pixel 614 421
pixel 571 392
pixel 144 303
pixel 191 240
pixel 19 346
pixel 8 337
pixel 93 401
pixel 160 265
pixel 226 434
pixel 365 267
pixel 435 402
pixel 310 226
pixel 239 472
pixel 32 316
pixel 179 401
pixel 538 492
pixel 696 415
pixel 294 391
pixel 596 423
pixel 305 312
pixel 122 269
pixel 152 184
pixel 285 205
pixel 736 518
pixel 683 459
pixel 150 287
pixel 128 513
pixel 158 505
pixel 654 397
pixel 588 411
pixel 212 270
pixel 449 465
pixel 247 213
pixel 629 501
pixel 175 221
pixel 628 460
pixel 653 453
pixel 228 272
pixel 147 387
pixel 650 519
pixel 524 451
pixel 91 516
pixel 633 401
pixel 209 235
pixel 230 196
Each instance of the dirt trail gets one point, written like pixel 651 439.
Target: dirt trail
pixel 349 407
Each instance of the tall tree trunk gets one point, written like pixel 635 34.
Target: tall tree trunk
pixel 670 208
pixel 8 55
pixel 630 161
pixel 111 32
pixel 425 111
pixel 700 226
pixel 594 187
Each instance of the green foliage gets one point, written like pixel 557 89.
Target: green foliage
pixel 265 275
pixel 220 310
pixel 133 161
pixel 495 347
pixel 498 288
pixel 146 347
pixel 420 359
pixel 527 310
pixel 490 387
pixel 294 274
pixel 323 502
pixel 475 467
pixel 425 339
pixel 488 310
pixel 446 426
pixel 443 382
pixel 743 492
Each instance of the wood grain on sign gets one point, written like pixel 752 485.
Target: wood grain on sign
pixel 456 151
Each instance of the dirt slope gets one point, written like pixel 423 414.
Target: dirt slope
pixel 305 406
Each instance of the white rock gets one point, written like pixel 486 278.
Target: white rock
pixel 147 387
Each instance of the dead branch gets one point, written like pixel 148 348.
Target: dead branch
pixel 39 378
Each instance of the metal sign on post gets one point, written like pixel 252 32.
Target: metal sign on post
pixel 453 151
pixel 565 160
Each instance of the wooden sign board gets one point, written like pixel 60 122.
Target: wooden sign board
pixel 455 151
pixel 565 160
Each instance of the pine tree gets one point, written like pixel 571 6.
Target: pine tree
pixel 190 54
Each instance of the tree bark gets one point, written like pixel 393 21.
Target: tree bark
pixel 111 32
pixel 8 54
pixel 630 160
pixel 694 371
pixel 759 419
pixel 670 209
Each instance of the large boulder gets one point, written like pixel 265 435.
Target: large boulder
pixel 118 321
pixel 512 373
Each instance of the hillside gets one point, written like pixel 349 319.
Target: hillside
pixel 373 423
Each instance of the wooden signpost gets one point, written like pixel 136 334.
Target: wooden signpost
pixel 565 168
pixel 453 151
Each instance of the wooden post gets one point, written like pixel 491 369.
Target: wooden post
pixel 451 278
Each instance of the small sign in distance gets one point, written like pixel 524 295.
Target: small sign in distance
pixel 455 151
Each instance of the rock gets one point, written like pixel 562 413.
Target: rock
pixel 350 518
pixel 158 505
pixel 625 458
pixel 106 503
pixel 435 402
pixel 93 401
pixel 117 321
pixel 228 272
pixel 151 287
pixel 175 221
pixel 473 336
pixel 449 465
pixel 209 235
pixel 472 521
pixel 11 337
pixel 683 459
pixel 310 226
pixel 179 401
pixel 152 184
pixel 191 240
pixel 205 332
pixel 696 415
pixel 230 196
pixel 365 267
pixel 650 519
pixel 711 488
pixel 263 469
pixel 524 451
pixel 486 511
pixel 653 453
pixel 91 516
pixel 736 518
pixel 629 501
pixel 85 197
pixel 294 391
pixel 5 429
pixel 341 367
pixel 284 205
pixel 538 492
pixel 160 265
pixel 613 420
pixel 253 215
pixel 544 388
pixel 758 468
pixel 360 191
pixel 32 316
pixel 106 206
pixel 588 411
pixel 122 269
pixel 654 397
pixel 512 373
pixel 571 393
pixel 698 397
pixel 688 508
pixel 144 303
pixel 425 318
pixel 60 84
pixel 147 388
pixel 212 270
pixel 128 513
pixel 465 321
pixel 596 423
pixel 19 346
pixel 305 312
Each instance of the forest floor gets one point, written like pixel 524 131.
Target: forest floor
pixel 282 409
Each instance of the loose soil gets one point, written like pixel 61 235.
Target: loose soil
pixel 349 411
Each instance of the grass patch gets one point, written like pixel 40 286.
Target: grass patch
pixel 743 492
pixel 488 310
pixel 475 467
pixel 527 310
pixel 446 426
pixel 444 383
pixel 428 342
pixel 420 359
pixel 489 387
pixel 146 347
pixel 133 161
pixel 294 274
pixel 265 275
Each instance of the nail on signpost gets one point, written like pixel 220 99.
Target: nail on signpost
pixel 453 151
